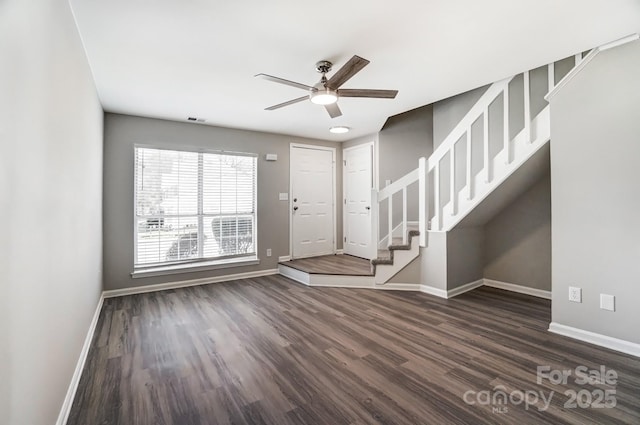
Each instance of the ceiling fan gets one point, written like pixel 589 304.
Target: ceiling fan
pixel 327 92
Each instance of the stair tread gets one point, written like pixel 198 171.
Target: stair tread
pixel 385 256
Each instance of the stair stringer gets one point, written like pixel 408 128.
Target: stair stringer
pixel 400 258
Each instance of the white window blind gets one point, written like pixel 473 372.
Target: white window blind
pixel 193 206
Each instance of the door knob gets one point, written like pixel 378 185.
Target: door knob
pixel 295 208
pixel 368 207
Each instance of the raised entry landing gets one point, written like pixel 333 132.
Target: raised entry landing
pixel 330 270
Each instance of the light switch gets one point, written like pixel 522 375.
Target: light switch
pixel 607 302
pixel 283 196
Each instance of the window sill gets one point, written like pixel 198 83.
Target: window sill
pixel 194 267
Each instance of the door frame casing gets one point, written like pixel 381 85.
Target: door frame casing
pixel 374 181
pixel 292 146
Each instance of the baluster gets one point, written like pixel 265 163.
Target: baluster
pixel 527 107
pixel 487 168
pixel 469 176
pixel 436 195
pixel 551 76
pixel 423 200
pixel 375 230
pixel 452 180
pixel 404 215
pixel 390 220
pixel 578 58
pixel 505 119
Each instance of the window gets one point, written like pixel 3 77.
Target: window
pixel 193 206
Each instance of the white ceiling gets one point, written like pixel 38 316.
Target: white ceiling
pixel 177 58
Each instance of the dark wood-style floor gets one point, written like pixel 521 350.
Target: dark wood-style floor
pixel 346 265
pixel 270 351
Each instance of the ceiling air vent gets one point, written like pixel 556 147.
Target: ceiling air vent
pixel 194 119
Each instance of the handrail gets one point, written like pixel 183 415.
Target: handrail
pixel 398 185
pixel 585 60
pixel 474 113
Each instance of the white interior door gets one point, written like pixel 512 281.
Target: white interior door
pixel 358 176
pixel 312 201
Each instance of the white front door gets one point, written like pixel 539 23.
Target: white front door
pixel 312 201
pixel 358 176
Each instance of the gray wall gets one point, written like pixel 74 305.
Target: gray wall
pixel 403 139
pixel 465 247
pixel 50 190
pixel 122 132
pixel 447 113
pixel 430 268
pixel 596 194
pixel 360 140
pixel 517 242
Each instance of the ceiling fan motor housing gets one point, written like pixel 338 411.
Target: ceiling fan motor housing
pixel 323 66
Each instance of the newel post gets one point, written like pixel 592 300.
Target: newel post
pixel 374 223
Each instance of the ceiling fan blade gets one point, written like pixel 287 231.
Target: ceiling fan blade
pixel 351 68
pixel 382 94
pixel 285 82
pixel 287 103
pixel 333 110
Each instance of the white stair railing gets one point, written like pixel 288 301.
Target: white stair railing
pixel 460 134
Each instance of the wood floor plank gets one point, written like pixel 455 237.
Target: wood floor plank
pixel 270 351
pixel 333 265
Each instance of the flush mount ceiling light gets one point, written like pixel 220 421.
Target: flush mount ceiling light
pixel 339 129
pixel 325 96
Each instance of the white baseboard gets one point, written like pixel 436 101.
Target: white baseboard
pixel 186 283
pixel 399 287
pixel 77 373
pixel 465 288
pixel 433 291
pixel 596 339
pixel 339 251
pixel 284 258
pixel 415 287
pixel 540 293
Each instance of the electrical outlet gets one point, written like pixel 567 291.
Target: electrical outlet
pixel 575 294
pixel 268 252
pixel 607 302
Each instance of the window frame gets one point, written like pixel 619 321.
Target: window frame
pixel 201 263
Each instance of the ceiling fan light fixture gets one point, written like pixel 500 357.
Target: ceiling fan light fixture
pixel 340 129
pixel 324 97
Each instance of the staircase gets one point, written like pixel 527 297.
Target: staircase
pixel 450 183
pixel 462 171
